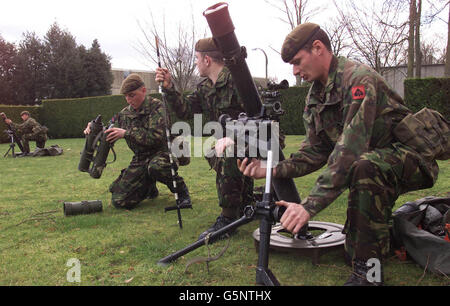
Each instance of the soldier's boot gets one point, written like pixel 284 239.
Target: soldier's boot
pixel 40 144
pixel 183 196
pixel 221 221
pixel 152 192
pixel 26 148
pixel 361 277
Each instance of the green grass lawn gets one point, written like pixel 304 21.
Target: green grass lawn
pixel 120 247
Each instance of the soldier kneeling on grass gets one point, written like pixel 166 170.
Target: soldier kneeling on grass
pixel 142 126
pixel 370 142
pixel 28 130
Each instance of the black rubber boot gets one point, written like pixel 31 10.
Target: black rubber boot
pixel 362 274
pixel 184 197
pixel 221 222
pixel 152 192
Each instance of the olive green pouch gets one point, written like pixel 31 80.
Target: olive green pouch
pixel 427 132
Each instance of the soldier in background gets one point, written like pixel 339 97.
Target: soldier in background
pixel 215 95
pixel 350 115
pixel 142 126
pixel 28 130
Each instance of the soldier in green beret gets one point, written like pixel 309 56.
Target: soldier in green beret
pixel 142 125
pixel 351 116
pixel 215 95
pixel 28 130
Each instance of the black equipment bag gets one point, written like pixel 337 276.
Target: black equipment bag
pixel 421 227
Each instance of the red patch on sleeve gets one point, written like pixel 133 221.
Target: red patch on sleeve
pixel 358 92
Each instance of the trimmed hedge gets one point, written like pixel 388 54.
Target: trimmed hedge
pixel 293 103
pixel 57 113
pixel 430 92
pixel 67 118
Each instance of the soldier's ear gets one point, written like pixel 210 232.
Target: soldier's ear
pixel 318 47
pixel 207 60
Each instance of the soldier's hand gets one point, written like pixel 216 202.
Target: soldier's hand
pixel 114 134
pixel 255 169
pixel 163 75
pixel 294 217
pixel 87 130
pixel 222 145
pixel 8 121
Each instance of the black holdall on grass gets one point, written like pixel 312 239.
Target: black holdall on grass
pixel 421 228
pixel 83 207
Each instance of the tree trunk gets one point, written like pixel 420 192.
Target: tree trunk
pixel 447 56
pixel 418 52
pixel 412 13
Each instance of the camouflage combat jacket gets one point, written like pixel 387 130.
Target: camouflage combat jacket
pixel 29 126
pixel 353 114
pixel 211 100
pixel 145 127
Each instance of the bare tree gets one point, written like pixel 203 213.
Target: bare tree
pixel 447 56
pixel 432 54
pixel 416 20
pixel 411 49
pixel 339 37
pixel 294 12
pixel 378 32
pixel 417 51
pixel 437 7
pixel 176 54
pixel 414 50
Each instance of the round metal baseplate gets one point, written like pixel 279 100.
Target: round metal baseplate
pixel 326 237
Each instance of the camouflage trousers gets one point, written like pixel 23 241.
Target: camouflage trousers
pixel 376 181
pixel 40 141
pixel 138 181
pixel 234 190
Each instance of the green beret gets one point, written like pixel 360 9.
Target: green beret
pixel 25 113
pixel 206 45
pixel 297 39
pixel 132 82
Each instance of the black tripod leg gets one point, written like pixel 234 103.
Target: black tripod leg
pixel 180 221
pixel 174 256
pixel 11 147
pixel 178 207
pixel 263 274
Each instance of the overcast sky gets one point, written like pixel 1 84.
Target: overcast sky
pixel 115 25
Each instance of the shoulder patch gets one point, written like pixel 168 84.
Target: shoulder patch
pixel 358 92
